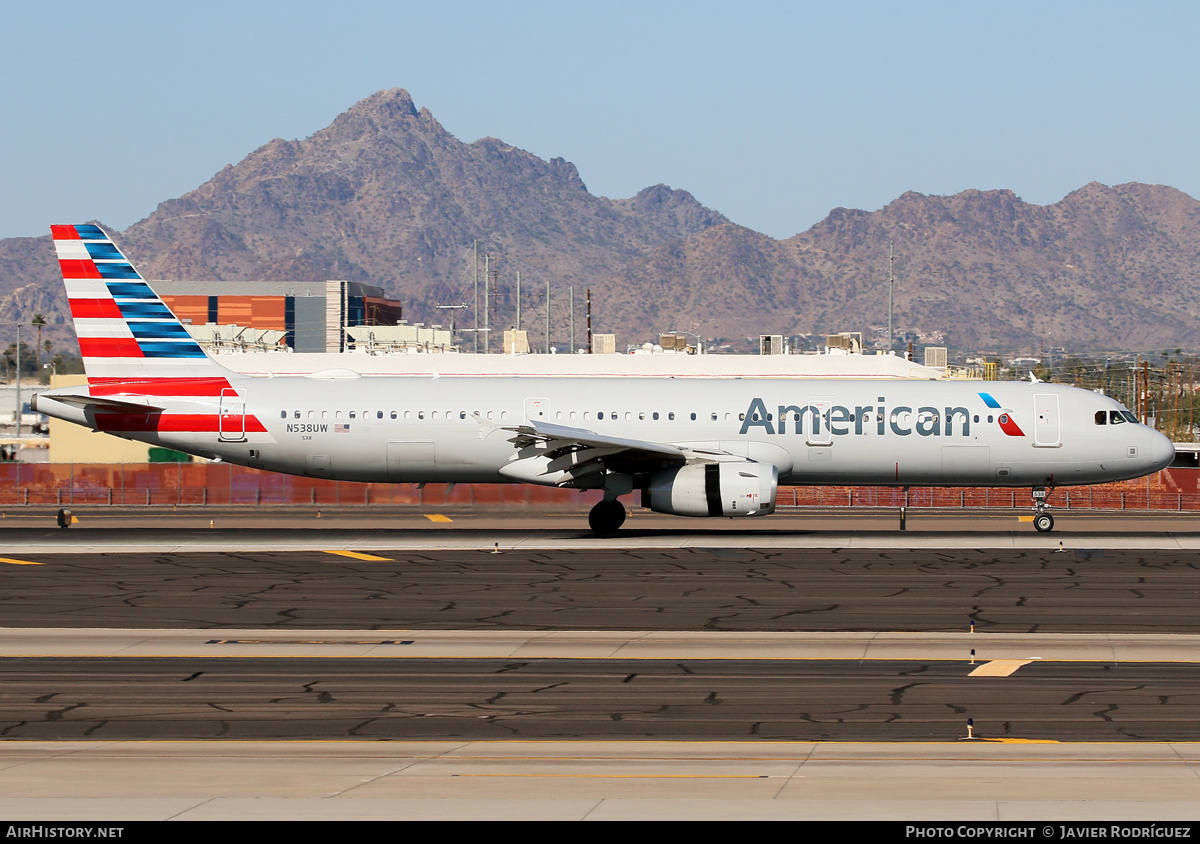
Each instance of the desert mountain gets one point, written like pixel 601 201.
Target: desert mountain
pixel 1104 269
pixel 385 195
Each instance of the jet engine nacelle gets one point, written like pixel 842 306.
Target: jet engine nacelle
pixel 714 489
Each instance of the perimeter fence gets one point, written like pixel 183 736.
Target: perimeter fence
pixel 1100 497
pixel 196 484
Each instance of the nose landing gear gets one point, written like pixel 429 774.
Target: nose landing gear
pixel 1043 522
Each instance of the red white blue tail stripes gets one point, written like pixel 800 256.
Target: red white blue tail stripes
pixel 135 352
pixel 124 328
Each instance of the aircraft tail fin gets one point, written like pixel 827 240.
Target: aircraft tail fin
pixel 127 334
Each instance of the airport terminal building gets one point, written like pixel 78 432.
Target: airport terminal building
pixel 300 316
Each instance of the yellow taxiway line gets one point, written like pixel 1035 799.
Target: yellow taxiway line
pixel 357 556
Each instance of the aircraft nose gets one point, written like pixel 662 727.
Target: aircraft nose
pixel 1162 451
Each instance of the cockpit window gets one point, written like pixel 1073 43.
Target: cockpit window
pixel 1101 417
pixel 1116 417
pixel 1129 417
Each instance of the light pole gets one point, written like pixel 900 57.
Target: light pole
pixel 891 293
pixel 17 416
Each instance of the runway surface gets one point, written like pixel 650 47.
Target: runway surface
pixel 182 529
pixel 752 639
pixel 440 686
pixel 1085 590
pixel 611 780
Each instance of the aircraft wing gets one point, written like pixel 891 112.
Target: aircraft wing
pixel 559 455
pixel 574 439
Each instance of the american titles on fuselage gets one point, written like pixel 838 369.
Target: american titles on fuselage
pixel 817 417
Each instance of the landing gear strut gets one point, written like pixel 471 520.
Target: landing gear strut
pixel 606 517
pixel 1043 522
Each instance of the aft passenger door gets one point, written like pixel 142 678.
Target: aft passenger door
pixel 231 423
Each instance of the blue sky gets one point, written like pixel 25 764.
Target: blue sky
pixel 771 113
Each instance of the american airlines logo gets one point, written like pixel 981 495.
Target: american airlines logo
pixel 819 418
pixel 1007 425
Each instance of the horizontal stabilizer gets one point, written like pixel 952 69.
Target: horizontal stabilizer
pixel 84 402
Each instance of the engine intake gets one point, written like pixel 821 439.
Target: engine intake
pixel 733 489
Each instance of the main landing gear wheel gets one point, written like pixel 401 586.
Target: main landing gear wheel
pixel 606 517
pixel 1043 522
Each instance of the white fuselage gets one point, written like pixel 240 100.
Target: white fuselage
pixel 815 431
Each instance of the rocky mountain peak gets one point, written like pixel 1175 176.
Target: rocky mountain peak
pixel 383 112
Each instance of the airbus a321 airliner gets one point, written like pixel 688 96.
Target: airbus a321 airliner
pixel 692 447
